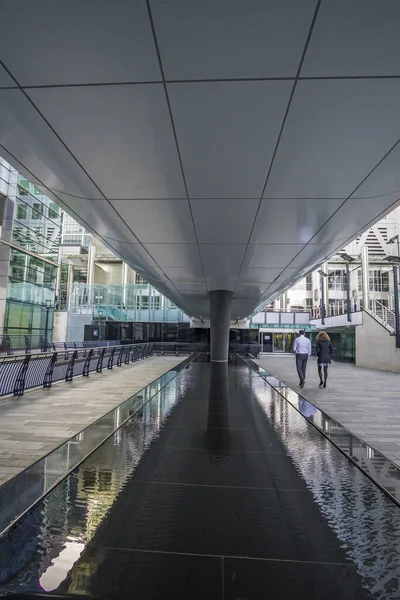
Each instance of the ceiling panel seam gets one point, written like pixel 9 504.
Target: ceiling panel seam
pixel 349 239
pixel 209 80
pixel 53 193
pixel 348 198
pixel 82 168
pixel 153 29
pixel 302 58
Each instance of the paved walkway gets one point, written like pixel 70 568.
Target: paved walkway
pixel 40 420
pixel 365 401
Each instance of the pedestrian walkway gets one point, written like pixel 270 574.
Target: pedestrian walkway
pixel 365 401
pixel 39 421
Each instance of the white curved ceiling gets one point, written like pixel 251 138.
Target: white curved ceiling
pixel 230 144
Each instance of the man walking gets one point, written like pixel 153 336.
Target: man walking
pixel 302 350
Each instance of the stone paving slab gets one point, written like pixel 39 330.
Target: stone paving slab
pixel 37 422
pixel 365 401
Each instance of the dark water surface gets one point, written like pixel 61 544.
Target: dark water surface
pixel 217 488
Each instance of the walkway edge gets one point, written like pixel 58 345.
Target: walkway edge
pixel 361 462
pixel 10 491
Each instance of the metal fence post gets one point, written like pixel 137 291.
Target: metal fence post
pixel 128 355
pixel 20 381
pixel 121 352
pixel 48 377
pixel 70 371
pixel 137 353
pixel 99 367
pixel 86 366
pixel 111 359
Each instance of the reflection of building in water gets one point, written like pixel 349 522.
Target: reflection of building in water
pixel 354 507
pixel 100 479
pixel 48 541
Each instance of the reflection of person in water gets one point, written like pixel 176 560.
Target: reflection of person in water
pixel 306 409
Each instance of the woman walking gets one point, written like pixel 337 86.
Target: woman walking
pixel 324 351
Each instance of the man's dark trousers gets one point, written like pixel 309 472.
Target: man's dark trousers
pixel 301 366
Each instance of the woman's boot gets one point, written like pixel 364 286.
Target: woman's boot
pixel 321 383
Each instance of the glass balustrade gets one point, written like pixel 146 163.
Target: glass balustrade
pixel 131 302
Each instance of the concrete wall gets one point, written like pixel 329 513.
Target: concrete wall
pixel 76 327
pixel 108 273
pixel 375 347
pixel 60 326
pixel 339 321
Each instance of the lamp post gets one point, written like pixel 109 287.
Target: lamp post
pixel 393 240
pixel 101 324
pixel 348 259
pixel 395 262
pixel 322 275
pixel 46 326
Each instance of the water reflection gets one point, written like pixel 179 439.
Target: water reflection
pixel 40 550
pixel 366 522
pixel 306 409
pixel 52 540
pixel 376 465
pixel 218 436
pixel 21 492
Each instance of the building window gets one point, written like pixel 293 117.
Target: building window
pixel 37 210
pixel 22 211
pixel 309 283
pixel 23 187
pixel 378 281
pixel 309 303
pixel 17 274
pixel 337 280
pixel 54 210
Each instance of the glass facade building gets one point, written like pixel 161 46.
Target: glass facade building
pixel 33 259
pixel 131 302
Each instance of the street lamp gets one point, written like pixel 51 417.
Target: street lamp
pixel 47 305
pixel 348 259
pixel 393 240
pixel 322 275
pixel 395 262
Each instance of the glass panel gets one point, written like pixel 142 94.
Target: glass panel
pixel 18 315
pixel 288 342
pixel 37 210
pixel 267 341
pixel 279 342
pixel 54 210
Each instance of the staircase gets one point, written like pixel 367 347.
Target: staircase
pixel 383 315
pixel 115 314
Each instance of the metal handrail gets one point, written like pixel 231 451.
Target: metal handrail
pixel 19 373
pixel 383 313
pixel 11 344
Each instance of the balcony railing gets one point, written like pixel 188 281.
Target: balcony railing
pixel 22 372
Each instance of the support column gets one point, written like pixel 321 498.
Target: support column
pixel 124 283
pixel 70 281
pixel 220 318
pixel 91 264
pixel 58 274
pixel 365 276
